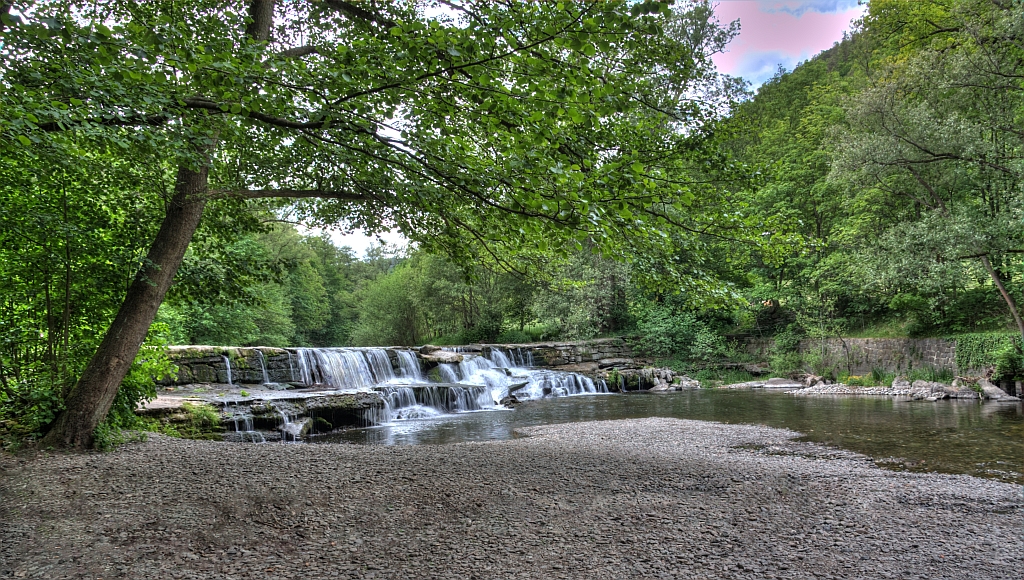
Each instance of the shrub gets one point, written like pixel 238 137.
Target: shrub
pixel 513 337
pixel 1008 362
pixel 785 363
pixel 661 332
pixel 931 374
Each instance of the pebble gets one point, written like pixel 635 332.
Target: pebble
pixel 644 498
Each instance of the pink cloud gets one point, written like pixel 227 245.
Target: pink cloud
pixel 793 31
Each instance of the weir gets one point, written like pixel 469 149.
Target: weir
pixel 305 391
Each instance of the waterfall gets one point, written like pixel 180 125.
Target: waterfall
pixel 479 382
pixel 227 363
pixel 243 425
pixel 344 368
pixel 291 369
pixel 448 372
pixel 500 359
pixel 410 366
pixel 263 366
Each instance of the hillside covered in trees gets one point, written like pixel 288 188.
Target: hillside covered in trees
pixel 875 190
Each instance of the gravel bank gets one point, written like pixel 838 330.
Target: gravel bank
pixel 647 498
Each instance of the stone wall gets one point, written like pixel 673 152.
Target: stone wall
pixel 209 364
pixel 859 356
pixel 606 352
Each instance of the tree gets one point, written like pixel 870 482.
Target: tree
pixel 489 128
pixel 937 139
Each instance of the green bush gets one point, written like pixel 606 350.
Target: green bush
pixel 200 421
pixel 979 351
pixel 513 337
pixel 28 406
pixel 1009 363
pixel 540 331
pixel 931 374
pixel 138 387
pixel 662 332
pixel 785 363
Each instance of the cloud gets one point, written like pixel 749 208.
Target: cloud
pixel 758 67
pixel 797 8
pixel 773 29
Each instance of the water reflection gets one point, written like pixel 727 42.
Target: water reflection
pixel 985 440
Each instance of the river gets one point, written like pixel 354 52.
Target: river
pixel 951 436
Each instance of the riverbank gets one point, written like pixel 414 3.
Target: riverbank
pixel 612 499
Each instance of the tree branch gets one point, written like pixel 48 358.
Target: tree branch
pixel 299 51
pixel 359 13
pixel 287 193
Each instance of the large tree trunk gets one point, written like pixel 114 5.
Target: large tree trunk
pixel 1010 303
pixel 92 397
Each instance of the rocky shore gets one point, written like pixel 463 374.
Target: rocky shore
pixel 647 498
pixel 927 390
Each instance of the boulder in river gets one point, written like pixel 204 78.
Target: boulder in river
pixel 901 383
pixel 930 386
pixel 993 392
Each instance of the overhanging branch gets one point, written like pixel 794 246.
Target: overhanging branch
pixel 288 193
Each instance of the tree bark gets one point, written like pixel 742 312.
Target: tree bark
pixel 1010 303
pixel 90 400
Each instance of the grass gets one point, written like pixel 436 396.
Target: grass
pixel 196 421
pixel 883 378
pixel 909 328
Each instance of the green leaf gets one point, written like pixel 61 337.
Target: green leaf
pixel 24 140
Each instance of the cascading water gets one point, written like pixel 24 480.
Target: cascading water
pixel 448 373
pixel 263 366
pixel 410 367
pixel 243 425
pixel 344 369
pixel 227 363
pixel 479 382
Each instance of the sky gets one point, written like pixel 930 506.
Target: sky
pixel 780 32
pixel 772 33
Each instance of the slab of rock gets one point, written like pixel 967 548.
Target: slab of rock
pixel 442 357
pixel 344 409
pixel 686 382
pixel 994 392
pixel 614 362
pixel 933 387
pixel 782 383
pixel 746 385
pixel 584 368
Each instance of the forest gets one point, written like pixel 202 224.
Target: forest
pixel 561 171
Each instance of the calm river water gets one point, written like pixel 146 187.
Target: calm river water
pixel 986 440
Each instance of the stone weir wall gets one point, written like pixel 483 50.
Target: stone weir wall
pixel 211 364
